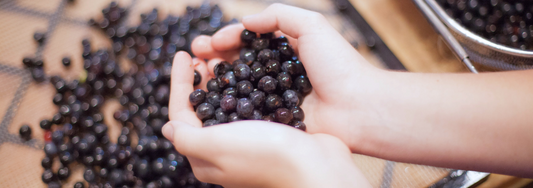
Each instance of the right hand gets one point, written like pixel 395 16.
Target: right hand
pixel 343 81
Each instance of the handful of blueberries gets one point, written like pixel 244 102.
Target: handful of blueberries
pixel 266 83
pixel 501 21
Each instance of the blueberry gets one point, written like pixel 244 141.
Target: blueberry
pixel 242 71
pixel 205 111
pixel 213 98
pixel 227 80
pixel 48 176
pixel 297 113
pixel 302 84
pixel 257 71
pixel 79 185
pixel 210 122
pixel 283 115
pixel 197 97
pixel 25 132
pixel 212 85
pixel 248 36
pixel 66 158
pixel 290 98
pixel 258 98
pixel 63 173
pixel 220 116
pixel 221 68
pixel 285 50
pixel 260 44
pixel 46 124
pixel 57 137
pixel 273 102
pixel 244 88
pixel 257 115
pixel 89 175
pixel 247 56
pixel 66 61
pixel 50 149
pixel 284 81
pixel 272 67
pixel 197 78
pixel 245 108
pixel 265 55
pixel 299 125
pixel 228 103
pixel 229 91
pixel 47 162
pixel 267 84
pixel 233 117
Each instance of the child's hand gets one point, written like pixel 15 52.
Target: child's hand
pixel 253 153
pixel 343 82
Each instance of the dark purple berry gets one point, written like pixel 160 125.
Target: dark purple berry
pixel 272 67
pixel 25 132
pixel 39 37
pixel 79 185
pixel 273 102
pixel 257 71
pixel 230 91
pixel 244 88
pixel 213 98
pixel 290 98
pixel 269 118
pixel 302 84
pixel 297 113
pixel 50 149
pixel 48 176
pixel 227 80
pixel 89 175
pixel 247 56
pixel 197 97
pixel 267 35
pixel 284 81
pixel 63 173
pixel 228 103
pixel 257 115
pixel 248 36
pixel 233 117
pixel 47 162
pixel 210 122
pixel 267 84
pixel 205 111
pixel 260 44
pixel 197 78
pixel 285 50
pixel 245 108
pixel 283 115
pixel 299 125
pixel 212 85
pixel 66 61
pixel 222 67
pixel 220 116
pixel 242 71
pixel 265 55
pixel 258 98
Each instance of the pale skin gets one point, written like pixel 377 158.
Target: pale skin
pixel 464 121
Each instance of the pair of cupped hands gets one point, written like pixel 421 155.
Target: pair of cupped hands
pixel 264 154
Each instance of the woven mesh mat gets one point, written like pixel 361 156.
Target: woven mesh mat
pixel 23 101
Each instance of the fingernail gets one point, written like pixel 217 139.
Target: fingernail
pixel 168 131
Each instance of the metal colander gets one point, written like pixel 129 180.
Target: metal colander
pixel 470 46
pixel 23 101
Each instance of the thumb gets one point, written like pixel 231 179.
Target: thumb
pixel 187 139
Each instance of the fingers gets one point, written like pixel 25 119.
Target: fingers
pixel 202 47
pixel 187 139
pixel 228 38
pixel 182 79
pixel 293 21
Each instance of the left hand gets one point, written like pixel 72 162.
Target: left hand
pixel 253 153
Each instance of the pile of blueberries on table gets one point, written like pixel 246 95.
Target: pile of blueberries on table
pixel 266 83
pixel 508 22
pixel 77 134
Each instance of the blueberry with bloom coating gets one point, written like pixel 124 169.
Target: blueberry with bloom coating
pixel 205 111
